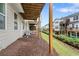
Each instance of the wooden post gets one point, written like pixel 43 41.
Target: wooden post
pixel 39 25
pixel 37 28
pixel 50 28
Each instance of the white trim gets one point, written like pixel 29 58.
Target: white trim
pixel 17 7
pixel 2 14
pixel 5 16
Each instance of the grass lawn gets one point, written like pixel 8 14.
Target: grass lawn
pixel 62 48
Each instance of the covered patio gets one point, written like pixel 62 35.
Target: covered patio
pixel 32 44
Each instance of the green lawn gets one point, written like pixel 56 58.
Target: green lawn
pixel 62 48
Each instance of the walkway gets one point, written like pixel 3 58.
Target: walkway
pixel 32 46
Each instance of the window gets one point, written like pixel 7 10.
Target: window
pixel 76 26
pixel 78 35
pixel 72 25
pixel 73 34
pixel 75 17
pixel 56 22
pixel 2 8
pixel 56 27
pixel 2 16
pixel 15 25
pixel 63 24
pixel 15 16
pixel 15 21
pixel 2 22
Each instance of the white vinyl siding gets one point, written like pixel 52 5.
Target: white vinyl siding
pixel 57 25
pixel 9 35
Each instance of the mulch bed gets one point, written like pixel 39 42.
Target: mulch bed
pixel 32 46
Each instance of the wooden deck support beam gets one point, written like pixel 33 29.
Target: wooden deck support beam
pixel 50 28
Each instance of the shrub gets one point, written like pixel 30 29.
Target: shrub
pixel 69 40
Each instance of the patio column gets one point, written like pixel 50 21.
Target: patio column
pixel 39 24
pixel 50 28
pixel 39 27
pixel 27 28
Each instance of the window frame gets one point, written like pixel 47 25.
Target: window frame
pixel 56 27
pixel 72 25
pixel 15 21
pixel 75 17
pixel 76 26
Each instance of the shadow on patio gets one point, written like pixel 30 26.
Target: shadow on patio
pixel 32 46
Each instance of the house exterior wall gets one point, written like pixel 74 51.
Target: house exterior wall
pixel 9 35
pixel 72 18
pixel 71 26
pixel 56 26
pixel 73 23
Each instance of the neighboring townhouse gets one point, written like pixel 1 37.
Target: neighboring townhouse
pixel 69 25
pixel 13 25
pixel 56 26
pixel 63 25
pixel 46 27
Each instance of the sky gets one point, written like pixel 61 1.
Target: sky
pixel 59 10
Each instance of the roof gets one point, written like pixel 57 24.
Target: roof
pixel 72 15
pixel 31 10
pixel 56 20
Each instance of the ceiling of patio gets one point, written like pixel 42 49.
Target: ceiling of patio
pixel 31 10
